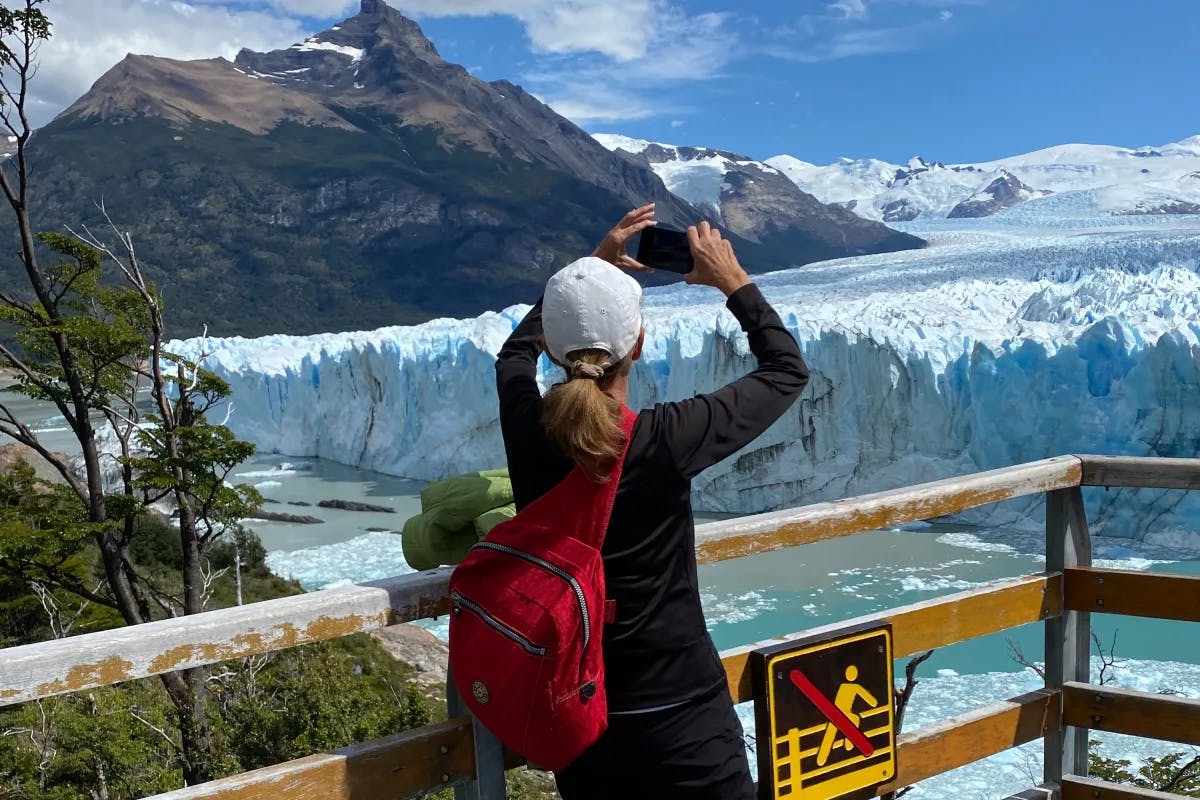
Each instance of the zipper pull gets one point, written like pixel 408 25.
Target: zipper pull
pixel 456 609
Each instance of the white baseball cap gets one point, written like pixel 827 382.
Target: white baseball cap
pixel 591 305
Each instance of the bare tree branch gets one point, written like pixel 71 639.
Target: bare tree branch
pixel 45 386
pixel 1018 655
pixel 12 427
pixel 17 303
pixel 1181 774
pixel 1108 659
pixel 210 578
pixel 903 697
pixel 166 736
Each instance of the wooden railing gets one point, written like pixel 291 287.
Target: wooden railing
pixel 459 753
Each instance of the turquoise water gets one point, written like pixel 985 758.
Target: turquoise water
pixel 836 580
pixel 763 596
pixel 746 600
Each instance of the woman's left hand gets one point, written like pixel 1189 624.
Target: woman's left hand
pixel 612 249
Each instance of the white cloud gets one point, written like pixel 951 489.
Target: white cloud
pixel 90 36
pixel 861 42
pixel 621 30
pixel 844 31
pixel 850 9
pixel 684 50
pixel 322 9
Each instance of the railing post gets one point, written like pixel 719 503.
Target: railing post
pixel 489 783
pixel 1068 637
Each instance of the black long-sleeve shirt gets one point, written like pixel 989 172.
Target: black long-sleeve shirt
pixel 658 651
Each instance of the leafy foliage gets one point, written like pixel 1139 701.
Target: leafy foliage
pixel 125 740
pixel 317 698
pixel 1176 773
pixel 44 545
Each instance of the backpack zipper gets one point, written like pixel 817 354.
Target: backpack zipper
pixel 461 602
pixel 553 570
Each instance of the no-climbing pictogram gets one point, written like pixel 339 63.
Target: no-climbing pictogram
pixel 829 709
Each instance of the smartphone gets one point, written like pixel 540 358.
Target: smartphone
pixel 663 248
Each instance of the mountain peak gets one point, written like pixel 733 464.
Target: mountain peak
pixel 378 23
pixel 367 51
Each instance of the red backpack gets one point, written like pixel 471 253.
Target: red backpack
pixel 527 618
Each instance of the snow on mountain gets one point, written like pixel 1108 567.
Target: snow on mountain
pixel 1117 180
pixel 757 202
pixel 695 174
pixel 1005 341
pixel 314 43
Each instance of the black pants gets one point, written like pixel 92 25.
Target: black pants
pixel 691 752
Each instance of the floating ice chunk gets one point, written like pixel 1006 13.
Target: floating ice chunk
pixel 371 557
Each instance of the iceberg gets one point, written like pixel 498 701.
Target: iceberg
pixel 1011 338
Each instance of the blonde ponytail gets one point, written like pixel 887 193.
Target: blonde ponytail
pixel 583 421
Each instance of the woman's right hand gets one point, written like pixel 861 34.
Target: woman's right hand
pixel 716 264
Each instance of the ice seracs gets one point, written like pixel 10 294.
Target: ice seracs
pixel 1008 340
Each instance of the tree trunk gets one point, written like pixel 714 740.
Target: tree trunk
pixel 189 695
pixel 237 565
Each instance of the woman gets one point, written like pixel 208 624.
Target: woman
pixel 673 732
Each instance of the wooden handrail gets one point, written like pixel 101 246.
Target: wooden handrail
pixel 102 658
pixel 396 766
pixel 97 659
pixel 1135 594
pixel 405 765
pixel 1077 788
pixel 932 623
pixel 963 740
pixel 762 533
pixel 1150 473
pixel 1151 716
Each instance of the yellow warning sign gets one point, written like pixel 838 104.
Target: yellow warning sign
pixel 828 708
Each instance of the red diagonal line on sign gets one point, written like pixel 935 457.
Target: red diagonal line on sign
pixel 835 715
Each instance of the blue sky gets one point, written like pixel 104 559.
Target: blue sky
pixel 952 80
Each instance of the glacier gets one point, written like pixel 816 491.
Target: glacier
pixel 1020 336
pixel 1113 180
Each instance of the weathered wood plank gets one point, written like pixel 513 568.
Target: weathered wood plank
pixel 1152 716
pixel 1158 473
pixel 964 740
pixel 1047 791
pixel 402 766
pixel 1077 788
pixel 1067 637
pixel 488 753
pixel 405 765
pixel 932 623
pixel 1135 594
pixel 50 668
pixel 761 533
pixel 106 657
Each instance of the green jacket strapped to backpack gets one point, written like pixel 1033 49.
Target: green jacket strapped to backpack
pixel 456 513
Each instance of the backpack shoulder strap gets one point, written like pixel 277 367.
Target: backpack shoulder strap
pixel 609 488
pixel 580 503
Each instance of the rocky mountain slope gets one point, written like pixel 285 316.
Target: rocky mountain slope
pixel 757 201
pixel 353 180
